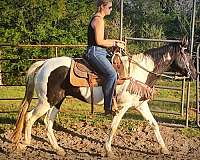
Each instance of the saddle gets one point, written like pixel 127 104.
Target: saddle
pixel 83 75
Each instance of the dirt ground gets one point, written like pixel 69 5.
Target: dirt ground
pixel 88 143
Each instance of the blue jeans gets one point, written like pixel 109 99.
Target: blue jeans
pixel 97 58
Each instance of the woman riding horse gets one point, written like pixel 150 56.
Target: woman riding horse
pixel 97 54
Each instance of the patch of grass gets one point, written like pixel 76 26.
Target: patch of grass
pixel 74 111
pixel 190 132
pixel 12 91
pixel 165 106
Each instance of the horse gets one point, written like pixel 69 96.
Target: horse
pixel 50 80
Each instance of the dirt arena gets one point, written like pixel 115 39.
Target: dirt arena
pixel 85 141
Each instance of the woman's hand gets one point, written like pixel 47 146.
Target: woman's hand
pixel 120 44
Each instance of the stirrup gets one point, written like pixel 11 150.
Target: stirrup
pixel 115 108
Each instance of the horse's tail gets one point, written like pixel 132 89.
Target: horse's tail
pixel 26 101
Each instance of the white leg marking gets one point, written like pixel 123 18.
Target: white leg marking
pixel 40 110
pixel 49 120
pixel 114 126
pixel 146 113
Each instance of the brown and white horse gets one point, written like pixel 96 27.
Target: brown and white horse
pixel 50 80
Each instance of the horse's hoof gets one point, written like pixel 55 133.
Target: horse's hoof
pixel 165 151
pixel 60 152
pixel 110 155
pixel 21 146
pixel 108 150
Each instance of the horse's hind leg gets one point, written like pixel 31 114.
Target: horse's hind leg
pixel 146 113
pixel 49 120
pixel 42 107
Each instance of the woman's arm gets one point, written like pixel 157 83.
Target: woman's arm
pixel 98 26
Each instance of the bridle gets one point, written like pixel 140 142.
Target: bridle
pixel 131 60
pixel 154 73
pixel 183 55
pixel 185 59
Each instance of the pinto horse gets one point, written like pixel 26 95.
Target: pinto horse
pixel 50 80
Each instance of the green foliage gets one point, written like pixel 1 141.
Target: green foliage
pixel 155 13
pixel 66 22
pixel 40 22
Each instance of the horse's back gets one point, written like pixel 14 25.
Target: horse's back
pixel 52 64
pixel 52 69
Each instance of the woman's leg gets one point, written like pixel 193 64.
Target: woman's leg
pixel 97 57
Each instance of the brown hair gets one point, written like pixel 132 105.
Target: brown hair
pixel 102 2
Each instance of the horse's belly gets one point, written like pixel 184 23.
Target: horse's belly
pixel 97 94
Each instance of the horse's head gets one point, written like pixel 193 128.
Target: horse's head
pixel 184 63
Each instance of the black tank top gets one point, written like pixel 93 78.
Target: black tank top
pixel 91 34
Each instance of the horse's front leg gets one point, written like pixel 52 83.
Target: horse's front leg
pixel 146 113
pixel 117 118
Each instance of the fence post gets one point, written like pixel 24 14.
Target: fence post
pixel 1 83
pixel 56 52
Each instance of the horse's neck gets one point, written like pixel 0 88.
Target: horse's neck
pixel 138 67
pixel 155 64
pixel 163 64
pixel 157 60
pixel 141 67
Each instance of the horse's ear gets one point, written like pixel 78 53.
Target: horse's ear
pixel 184 42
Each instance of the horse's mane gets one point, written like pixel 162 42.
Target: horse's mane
pixel 138 57
pixel 157 53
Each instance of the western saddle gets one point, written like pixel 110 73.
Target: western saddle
pixel 83 75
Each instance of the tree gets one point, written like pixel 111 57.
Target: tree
pixel 66 22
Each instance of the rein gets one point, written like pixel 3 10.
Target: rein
pixel 156 74
pixel 186 63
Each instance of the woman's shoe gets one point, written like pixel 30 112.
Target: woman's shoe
pixel 108 112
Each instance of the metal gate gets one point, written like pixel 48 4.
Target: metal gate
pixel 183 109
pixel 197 87
pixel 180 88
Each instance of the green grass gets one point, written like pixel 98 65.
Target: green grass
pixel 12 91
pixel 74 111
pixel 191 132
